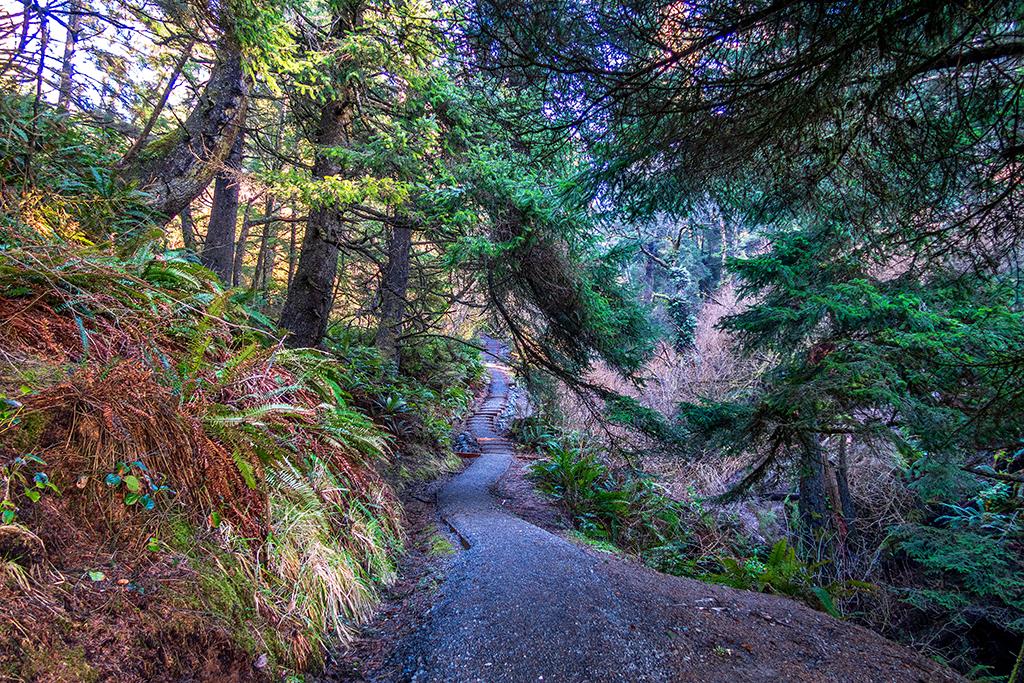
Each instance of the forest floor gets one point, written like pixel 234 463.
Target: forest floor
pixel 514 598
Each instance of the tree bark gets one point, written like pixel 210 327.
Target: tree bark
pixel 308 303
pixel 197 150
pixel 67 68
pixel 292 250
pixel 44 43
pixel 307 306
pixel 219 249
pixel 393 290
pixel 813 504
pixel 243 238
pixel 265 257
pixel 843 484
pixel 188 228
pixel 264 271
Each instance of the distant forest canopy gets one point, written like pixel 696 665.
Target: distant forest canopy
pixel 372 183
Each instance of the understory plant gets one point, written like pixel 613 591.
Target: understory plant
pixel 633 512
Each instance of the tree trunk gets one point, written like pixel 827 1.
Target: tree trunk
pixel 714 248
pixel 67 68
pixel 243 238
pixel 393 289
pixel 650 272
pixel 198 149
pixel 219 248
pixel 814 511
pixel 44 43
pixel 188 228
pixel 269 256
pixel 843 484
pixel 265 257
pixel 142 136
pixel 292 250
pixel 308 303
pixel 307 306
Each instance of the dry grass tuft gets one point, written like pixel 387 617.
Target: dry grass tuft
pixel 102 417
pixel 147 366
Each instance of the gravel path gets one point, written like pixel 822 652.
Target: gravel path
pixel 522 604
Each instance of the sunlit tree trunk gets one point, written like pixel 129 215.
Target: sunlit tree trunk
pixel 219 249
pixel 241 244
pixel 142 137
pixel 293 241
pixel 265 256
pixel 188 228
pixel 196 150
pixel 67 69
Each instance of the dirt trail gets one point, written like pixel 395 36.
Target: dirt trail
pixel 523 604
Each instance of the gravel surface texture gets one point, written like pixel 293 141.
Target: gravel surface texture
pixel 520 603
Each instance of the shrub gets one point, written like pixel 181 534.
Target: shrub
pixel 632 512
pixel 783 573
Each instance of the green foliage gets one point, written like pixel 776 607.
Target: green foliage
pixel 629 412
pixel 439 545
pixel 419 404
pixel 59 180
pixel 575 478
pixel 628 511
pixel 971 560
pixel 783 573
pixel 16 482
pixel 633 513
pixel 541 260
pixel 535 434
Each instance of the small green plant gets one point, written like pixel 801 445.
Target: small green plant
pixel 15 475
pixel 571 476
pixel 629 511
pixel 536 435
pixel 439 545
pixel 139 485
pixel 782 573
pixel 596 544
pixel 11 409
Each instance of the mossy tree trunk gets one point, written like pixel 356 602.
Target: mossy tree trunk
pixel 393 291
pixel 219 249
pixel 179 167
